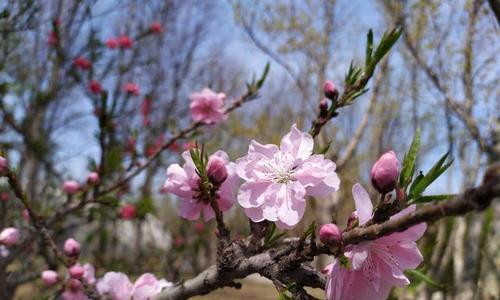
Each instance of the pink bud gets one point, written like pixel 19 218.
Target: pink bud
pixel 93 178
pixel 156 27
pixel 82 63
pixel 71 247
pixel 132 88
pixel 128 211
pixel 124 42
pixel 4 166
pixel 4 196
pixel 385 172
pixel 216 170
pixel 179 241
pixel 199 227
pixel 49 277
pixel 95 87
pixel 9 236
pixel 111 43
pixel 26 215
pixel 189 145
pixel 74 285
pixel 76 271
pixel 323 104
pixel 52 39
pixel 329 89
pixel 329 234
pixel 71 187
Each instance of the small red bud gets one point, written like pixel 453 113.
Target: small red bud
pixel 329 89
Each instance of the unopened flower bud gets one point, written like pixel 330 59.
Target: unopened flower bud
pixel 93 178
pixel 156 27
pixel 4 196
pixel 26 215
pixel 385 172
pixel 216 170
pixel 71 187
pixel 76 271
pixel 74 285
pixel 329 234
pixel 128 211
pixel 329 89
pixel 9 236
pixel 49 277
pixel 71 247
pixel 4 166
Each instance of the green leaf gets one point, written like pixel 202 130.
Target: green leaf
pixel 431 198
pixel 418 275
pixel 386 42
pixel 263 76
pixel 409 161
pixel 419 186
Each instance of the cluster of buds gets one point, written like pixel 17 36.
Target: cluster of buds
pixel 331 94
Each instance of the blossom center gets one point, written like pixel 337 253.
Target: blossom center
pixel 281 168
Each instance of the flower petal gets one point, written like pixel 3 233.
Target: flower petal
pixel 299 144
pixel 363 204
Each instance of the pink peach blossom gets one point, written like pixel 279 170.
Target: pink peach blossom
pixel 377 265
pixel 115 285
pixel 147 286
pixel 184 181
pixel 207 106
pixel 278 179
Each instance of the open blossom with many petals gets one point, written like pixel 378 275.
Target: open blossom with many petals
pixel 377 265
pixel 207 106
pixel 278 179
pixel 184 183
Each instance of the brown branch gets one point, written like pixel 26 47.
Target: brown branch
pixel 276 265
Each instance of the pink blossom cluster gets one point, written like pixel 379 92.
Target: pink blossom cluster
pixel 277 180
pixel 374 266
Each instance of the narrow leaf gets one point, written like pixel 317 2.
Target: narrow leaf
pixel 409 161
